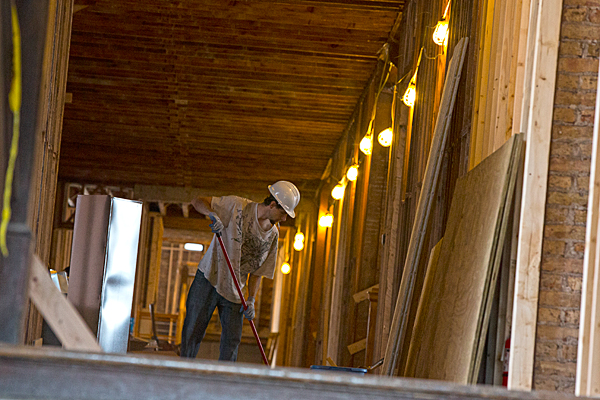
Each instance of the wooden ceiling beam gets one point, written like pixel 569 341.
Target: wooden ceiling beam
pixel 162 206
pixel 97 24
pixel 194 76
pixel 120 62
pixel 148 48
pixel 175 194
pixel 292 14
pixel 303 105
pixel 128 173
pixel 289 129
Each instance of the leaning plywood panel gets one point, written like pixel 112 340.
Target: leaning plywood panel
pixel 451 326
pixel 416 343
pixel 496 256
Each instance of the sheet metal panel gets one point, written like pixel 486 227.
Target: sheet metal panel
pixel 103 261
pixel 90 235
pixel 119 274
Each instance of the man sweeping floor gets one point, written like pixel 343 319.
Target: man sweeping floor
pixel 250 234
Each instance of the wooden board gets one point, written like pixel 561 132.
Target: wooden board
pixel 59 313
pixel 24 370
pixel 503 98
pixel 521 57
pixel 416 342
pixel 390 253
pixel 464 277
pixel 531 227
pixel 587 382
pixel 357 346
pixel 404 301
pixel 483 69
pixel 54 83
pixel 493 79
pixel 364 294
pixel 157 228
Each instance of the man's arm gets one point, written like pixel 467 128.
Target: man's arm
pixel 253 285
pixel 203 205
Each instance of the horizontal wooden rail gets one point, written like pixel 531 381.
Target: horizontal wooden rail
pixel 33 373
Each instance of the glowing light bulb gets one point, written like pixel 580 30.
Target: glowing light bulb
pixel 193 247
pixel 285 268
pixel 366 145
pixel 299 237
pixel 440 34
pixel 410 95
pixel 298 245
pixel 326 220
pixel 385 137
pixel 352 173
pixel 338 191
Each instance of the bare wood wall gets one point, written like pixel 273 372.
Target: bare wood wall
pixel 396 182
pixel 368 273
pixel 429 79
pixel 363 258
pixel 45 171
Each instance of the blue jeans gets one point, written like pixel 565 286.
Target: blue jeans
pixel 200 306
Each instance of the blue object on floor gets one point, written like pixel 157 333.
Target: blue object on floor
pixel 361 371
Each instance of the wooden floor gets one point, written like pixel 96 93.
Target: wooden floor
pixel 39 373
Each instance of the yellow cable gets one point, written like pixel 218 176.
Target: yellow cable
pixel 14 103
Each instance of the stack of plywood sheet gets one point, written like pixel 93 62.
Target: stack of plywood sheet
pixel 454 310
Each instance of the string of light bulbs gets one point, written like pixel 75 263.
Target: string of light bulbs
pixel 366 144
pixel 440 36
pixel 385 137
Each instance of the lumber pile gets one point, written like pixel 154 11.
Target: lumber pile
pixel 399 327
pixel 454 309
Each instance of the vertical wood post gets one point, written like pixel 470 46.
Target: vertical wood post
pixel 587 382
pixel 546 19
pixel 14 269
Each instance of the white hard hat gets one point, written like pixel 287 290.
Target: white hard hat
pixel 287 195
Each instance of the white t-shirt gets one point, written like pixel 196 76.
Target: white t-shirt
pixel 251 249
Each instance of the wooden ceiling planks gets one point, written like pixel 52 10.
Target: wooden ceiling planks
pixel 223 95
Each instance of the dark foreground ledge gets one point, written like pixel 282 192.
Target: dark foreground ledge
pixel 41 373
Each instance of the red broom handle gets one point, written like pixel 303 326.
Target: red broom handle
pixel 239 290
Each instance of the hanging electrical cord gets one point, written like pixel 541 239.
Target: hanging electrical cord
pixel 385 74
pixel 14 103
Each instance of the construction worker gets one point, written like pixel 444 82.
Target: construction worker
pixel 250 234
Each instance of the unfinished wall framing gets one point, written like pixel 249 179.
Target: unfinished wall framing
pixel 508 85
